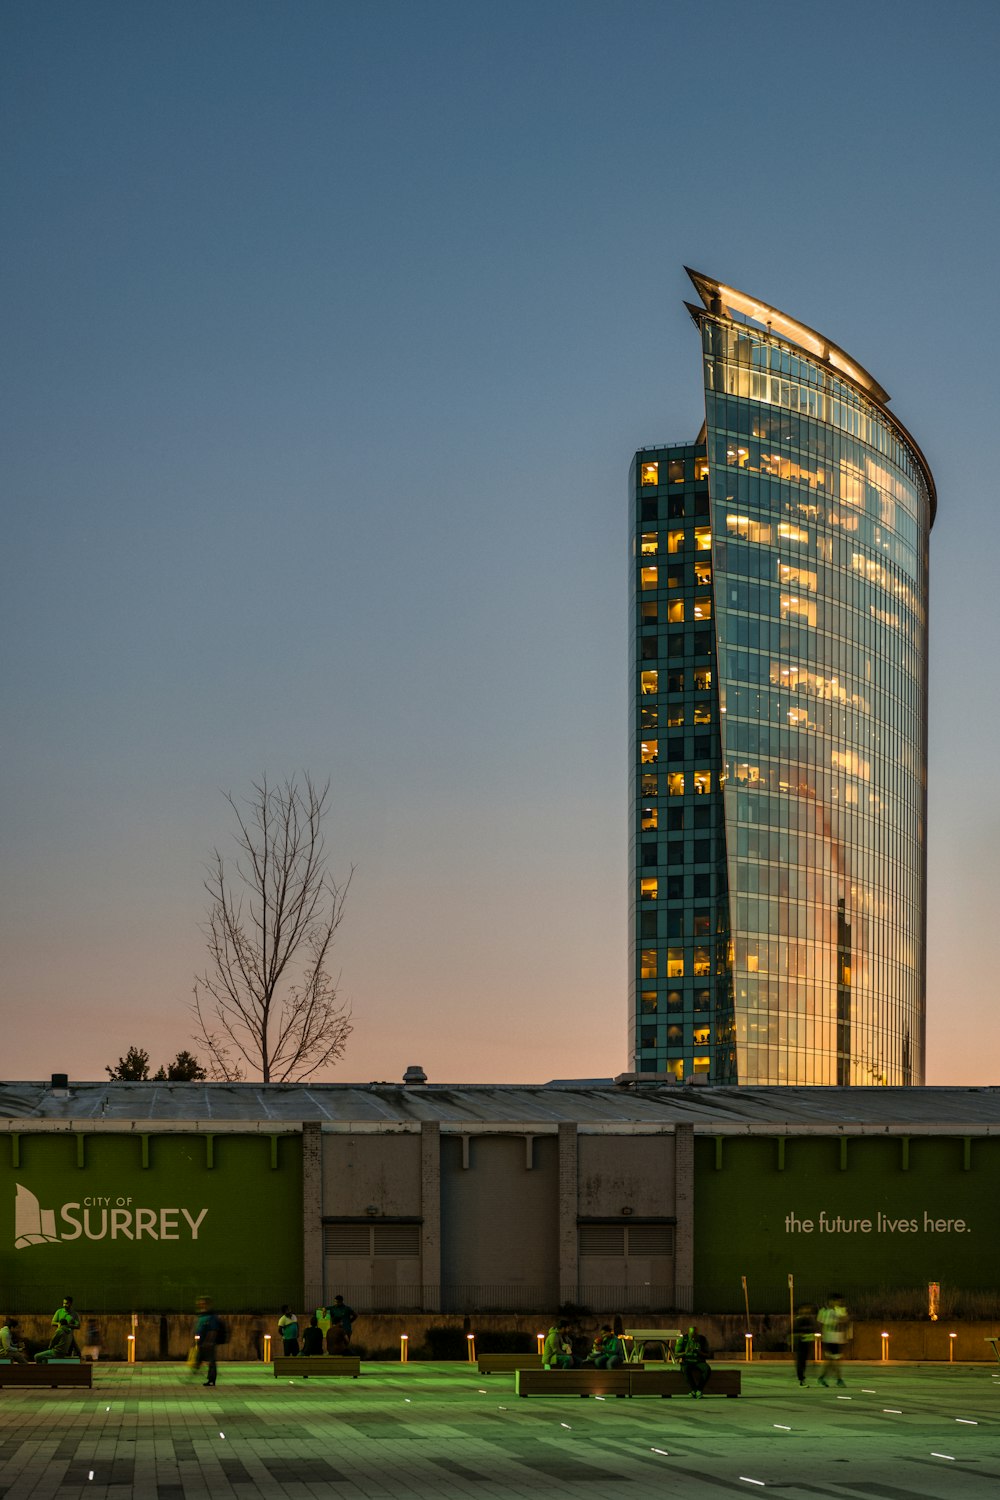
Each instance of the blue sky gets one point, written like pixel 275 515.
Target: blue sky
pixel 330 330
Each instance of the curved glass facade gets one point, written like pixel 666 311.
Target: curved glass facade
pixel 779 715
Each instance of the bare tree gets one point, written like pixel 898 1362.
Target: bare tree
pixel 267 1005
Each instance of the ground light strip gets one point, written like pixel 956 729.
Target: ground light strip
pixel 950 1456
pixel 747 1480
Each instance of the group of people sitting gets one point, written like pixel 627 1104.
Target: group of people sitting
pixel 608 1353
pixel 62 1340
pixel 329 1330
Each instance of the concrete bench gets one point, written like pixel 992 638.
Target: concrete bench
pixel 582 1382
pixel 671 1382
pixel 506 1364
pixel 52 1372
pixel 305 1365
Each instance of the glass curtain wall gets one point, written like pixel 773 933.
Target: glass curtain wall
pixel 820 521
pixel 778 585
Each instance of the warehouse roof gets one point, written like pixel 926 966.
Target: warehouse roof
pixel 594 1102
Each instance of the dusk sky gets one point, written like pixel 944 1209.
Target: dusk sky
pixel 329 332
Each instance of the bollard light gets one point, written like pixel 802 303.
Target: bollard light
pixel 817 1346
pixel 951 1347
pixel 266 1356
pixel 885 1347
pixel 131 1348
pixel 470 1339
pixel 541 1342
pixel 404 1345
pixel 748 1338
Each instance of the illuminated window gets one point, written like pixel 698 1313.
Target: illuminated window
pixel 701 468
pixel 675 541
pixel 796 578
pixel 702 782
pixel 703 573
pixel 649 752
pixel 703 607
pixel 794 607
pixel 702 1064
pixel 675 1065
pixel 675 612
pixel 675 715
pixel 675 963
pixel 703 538
pixel 737 456
pixel 675 783
pixel 702 679
pixel 851 762
pixel 675 1000
pixel 648 888
pixel 649 577
pixel 852 483
pixel 790 533
pixel 647 1001
pixel 701 1035
pixel 647 963
pixel 649 787
pixel 702 966
pixel 749 529
pixel 675 471
pixel 650 544
pixel 647 611
pixel 649 716
pixel 675 1036
pixel 703 713
pixel 746 773
pixel 649 818
pixel 650 474
pixel 650 682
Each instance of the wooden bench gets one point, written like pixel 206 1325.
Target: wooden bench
pixel 506 1364
pixel 304 1365
pixel 671 1382
pixel 53 1372
pixel 583 1382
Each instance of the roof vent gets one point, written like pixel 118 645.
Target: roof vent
pixel 414 1074
pixel 60 1085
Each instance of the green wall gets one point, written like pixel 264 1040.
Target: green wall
pixel 137 1223
pixel 846 1213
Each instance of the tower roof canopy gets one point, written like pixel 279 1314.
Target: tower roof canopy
pixel 720 300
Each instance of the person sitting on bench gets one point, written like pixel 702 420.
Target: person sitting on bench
pixel 10 1346
pixel 557 1351
pixel 606 1352
pixel 691 1351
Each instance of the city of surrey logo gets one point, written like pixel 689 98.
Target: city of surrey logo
pixel 99 1218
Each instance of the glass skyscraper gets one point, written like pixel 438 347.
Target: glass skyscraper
pixel 779 720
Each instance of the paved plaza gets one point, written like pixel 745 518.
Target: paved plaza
pixel 894 1432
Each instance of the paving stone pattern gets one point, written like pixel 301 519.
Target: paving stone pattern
pixel 893 1433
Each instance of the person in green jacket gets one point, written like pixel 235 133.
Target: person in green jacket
pixel 557 1351
pixel 691 1350
pixel 62 1343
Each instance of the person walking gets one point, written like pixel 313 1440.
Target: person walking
pixel 691 1350
pixel 835 1327
pixel 209 1333
pixel 803 1338
pixel 92 1342
pixel 288 1328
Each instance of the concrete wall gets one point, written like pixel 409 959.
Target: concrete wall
pixel 366 1170
pixel 500 1215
